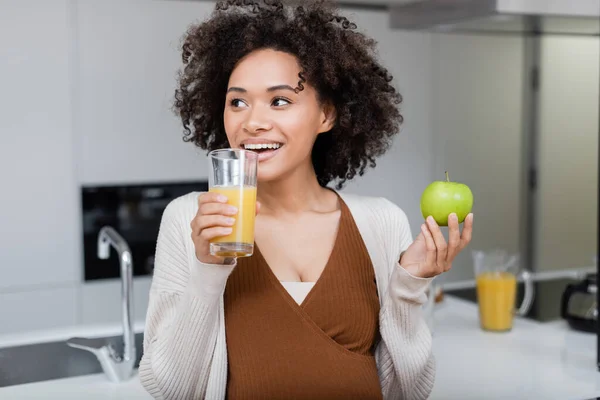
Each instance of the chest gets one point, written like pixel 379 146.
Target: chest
pixel 298 250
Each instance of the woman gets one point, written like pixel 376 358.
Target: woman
pixel 328 307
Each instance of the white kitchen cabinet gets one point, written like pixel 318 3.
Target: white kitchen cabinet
pixel 127 60
pixel 39 207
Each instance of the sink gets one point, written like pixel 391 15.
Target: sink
pixel 53 360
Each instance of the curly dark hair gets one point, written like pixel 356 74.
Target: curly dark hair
pixel 334 58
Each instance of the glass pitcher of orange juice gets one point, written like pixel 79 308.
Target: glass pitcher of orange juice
pixel 232 173
pixel 496 276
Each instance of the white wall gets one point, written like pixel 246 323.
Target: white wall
pixel 96 109
pixel 39 255
pixel 405 170
pixel 476 116
pixel 566 212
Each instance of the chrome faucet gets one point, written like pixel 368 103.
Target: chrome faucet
pixel 117 367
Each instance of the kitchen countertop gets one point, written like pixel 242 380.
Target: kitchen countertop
pixel 533 361
pixel 88 387
pixel 64 333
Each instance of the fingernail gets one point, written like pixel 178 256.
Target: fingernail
pixel 453 216
pixel 232 210
pixel 227 231
pixel 430 219
pixel 222 199
pixel 230 221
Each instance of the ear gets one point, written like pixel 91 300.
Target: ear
pixel 328 118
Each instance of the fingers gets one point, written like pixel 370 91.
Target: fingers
pixel 202 222
pixel 217 209
pixel 214 203
pixel 208 221
pixel 439 253
pixel 212 212
pixel 211 233
pixel 257 207
pixel 213 219
pixel 454 239
pixel 430 258
pixel 467 232
pixel 440 241
pixel 211 197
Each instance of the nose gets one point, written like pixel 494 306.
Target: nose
pixel 257 121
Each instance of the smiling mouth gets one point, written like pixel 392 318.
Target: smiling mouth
pixel 265 150
pixel 262 147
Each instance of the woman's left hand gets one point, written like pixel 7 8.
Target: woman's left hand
pixel 429 255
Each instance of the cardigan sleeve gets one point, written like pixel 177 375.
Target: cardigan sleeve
pixel 408 373
pixel 183 312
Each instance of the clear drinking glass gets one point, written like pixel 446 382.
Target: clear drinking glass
pixel 232 173
pixel 496 274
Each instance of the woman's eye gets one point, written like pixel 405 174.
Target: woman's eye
pixel 280 101
pixel 237 103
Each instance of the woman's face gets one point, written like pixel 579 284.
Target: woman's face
pixel 264 114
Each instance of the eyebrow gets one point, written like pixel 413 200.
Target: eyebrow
pixel 271 89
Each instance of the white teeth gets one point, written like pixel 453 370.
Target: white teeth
pixel 258 146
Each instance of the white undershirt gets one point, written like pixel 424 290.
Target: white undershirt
pixel 298 290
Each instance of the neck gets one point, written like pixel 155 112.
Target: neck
pixel 293 194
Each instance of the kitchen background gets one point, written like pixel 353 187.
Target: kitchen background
pixel 87 136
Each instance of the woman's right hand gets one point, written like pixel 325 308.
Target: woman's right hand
pixel 214 218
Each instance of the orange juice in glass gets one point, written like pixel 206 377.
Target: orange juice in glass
pixel 496 295
pixel 233 174
pixel 496 275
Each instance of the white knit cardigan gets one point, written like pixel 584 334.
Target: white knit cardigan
pixel 185 354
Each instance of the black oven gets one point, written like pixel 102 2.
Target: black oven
pixel 135 211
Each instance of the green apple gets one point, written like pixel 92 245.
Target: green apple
pixel 441 198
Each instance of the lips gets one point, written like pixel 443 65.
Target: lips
pixel 265 149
